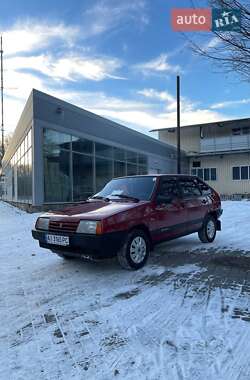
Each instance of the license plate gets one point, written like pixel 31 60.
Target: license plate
pixel 57 239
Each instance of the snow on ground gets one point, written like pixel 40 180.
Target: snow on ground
pixel 184 316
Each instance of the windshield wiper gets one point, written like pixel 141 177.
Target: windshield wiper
pixel 125 196
pixel 100 197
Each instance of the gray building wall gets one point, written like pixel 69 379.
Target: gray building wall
pixel 44 111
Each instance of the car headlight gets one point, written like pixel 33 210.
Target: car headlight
pixel 42 224
pixel 89 227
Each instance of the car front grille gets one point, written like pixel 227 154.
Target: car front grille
pixel 63 226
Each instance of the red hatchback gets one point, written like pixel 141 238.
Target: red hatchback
pixel 129 216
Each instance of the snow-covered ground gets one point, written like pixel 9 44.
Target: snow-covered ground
pixel 184 316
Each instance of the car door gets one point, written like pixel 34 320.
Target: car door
pixel 195 203
pixel 169 211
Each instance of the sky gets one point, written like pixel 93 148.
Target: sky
pixel 116 58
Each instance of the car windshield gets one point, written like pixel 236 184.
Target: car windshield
pixel 139 188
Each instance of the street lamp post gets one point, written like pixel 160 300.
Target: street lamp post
pixel 178 126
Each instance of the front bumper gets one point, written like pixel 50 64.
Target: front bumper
pixel 98 246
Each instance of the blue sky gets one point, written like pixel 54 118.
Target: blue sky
pixel 115 58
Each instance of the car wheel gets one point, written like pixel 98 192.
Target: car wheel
pixel 134 251
pixel 208 232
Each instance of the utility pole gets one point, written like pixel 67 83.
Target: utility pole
pixel 2 126
pixel 178 126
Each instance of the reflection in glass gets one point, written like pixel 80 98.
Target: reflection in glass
pixel 103 172
pixel 82 176
pixel 119 169
pixel 52 137
pixel 57 176
pixel 132 157
pixel 82 145
pixel 131 169
pixel 103 150
pixel 119 154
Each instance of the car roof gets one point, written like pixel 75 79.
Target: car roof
pixel 159 175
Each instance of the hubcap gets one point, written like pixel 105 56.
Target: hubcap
pixel 138 249
pixel 210 229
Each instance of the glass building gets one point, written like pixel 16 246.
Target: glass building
pixel 61 153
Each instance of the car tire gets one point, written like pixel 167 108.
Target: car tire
pixel 208 232
pixel 135 250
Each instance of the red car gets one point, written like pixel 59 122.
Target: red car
pixel 129 216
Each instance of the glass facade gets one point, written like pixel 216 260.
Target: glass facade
pixel 75 168
pixel 18 173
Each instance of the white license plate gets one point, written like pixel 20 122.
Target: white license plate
pixel 57 239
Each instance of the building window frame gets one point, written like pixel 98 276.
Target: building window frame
pixel 239 167
pixel 195 171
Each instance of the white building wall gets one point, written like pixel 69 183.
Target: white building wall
pixel 224 163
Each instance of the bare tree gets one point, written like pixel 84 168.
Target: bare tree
pixel 230 50
pixel 7 140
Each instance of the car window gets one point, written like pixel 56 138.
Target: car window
pixel 205 189
pixel 189 188
pixel 168 189
pixel 138 187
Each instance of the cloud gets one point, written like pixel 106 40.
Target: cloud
pixel 34 35
pixel 147 120
pixel 158 65
pixel 230 103
pixel 157 95
pixel 168 99
pixel 108 15
pixel 68 67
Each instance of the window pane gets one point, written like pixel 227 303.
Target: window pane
pixel 236 131
pixel 56 138
pixel 206 175
pixel 119 154
pixel 29 139
pixel 205 189
pixel 244 172
pixel 246 130
pixel 103 172
pixel 193 172
pixel 168 188
pixel 132 157
pixel 82 145
pixel 22 149
pixel 189 188
pixel 213 174
pixel 131 169
pixel 236 172
pixel 200 173
pixel 196 164
pixel 142 170
pixel 142 159
pixel 56 176
pixel 29 179
pixel 82 176
pixel 103 150
pixel 119 169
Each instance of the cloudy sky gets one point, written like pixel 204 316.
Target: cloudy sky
pixel 116 58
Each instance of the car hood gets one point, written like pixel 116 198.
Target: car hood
pixel 95 210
